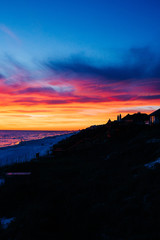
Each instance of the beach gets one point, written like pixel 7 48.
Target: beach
pixel 27 150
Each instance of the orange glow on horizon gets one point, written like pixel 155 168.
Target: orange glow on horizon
pixel 62 105
pixel 64 117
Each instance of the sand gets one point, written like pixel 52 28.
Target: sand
pixel 27 150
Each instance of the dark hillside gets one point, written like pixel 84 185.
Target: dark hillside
pixel 95 186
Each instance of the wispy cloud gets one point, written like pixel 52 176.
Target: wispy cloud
pixel 10 33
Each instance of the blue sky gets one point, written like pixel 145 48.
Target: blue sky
pixel 100 29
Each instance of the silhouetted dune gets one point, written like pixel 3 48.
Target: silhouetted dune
pixel 94 186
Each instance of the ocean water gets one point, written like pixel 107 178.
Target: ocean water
pixel 13 137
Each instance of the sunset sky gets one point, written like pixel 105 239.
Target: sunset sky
pixel 66 65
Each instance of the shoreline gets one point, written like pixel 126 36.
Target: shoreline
pixel 26 142
pixel 27 150
pixel 14 137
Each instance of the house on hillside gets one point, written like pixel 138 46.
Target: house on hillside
pixel 136 118
pixel 155 117
pixel 119 118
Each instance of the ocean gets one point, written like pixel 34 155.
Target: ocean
pixel 14 137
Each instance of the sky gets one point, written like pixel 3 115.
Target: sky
pixel 67 65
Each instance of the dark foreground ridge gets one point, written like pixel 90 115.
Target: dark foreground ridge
pixel 94 186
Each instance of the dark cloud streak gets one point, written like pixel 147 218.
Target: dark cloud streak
pixel 150 97
pixel 140 63
pixel 37 90
pixel 2 76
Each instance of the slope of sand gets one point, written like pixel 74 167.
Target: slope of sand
pixel 27 150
